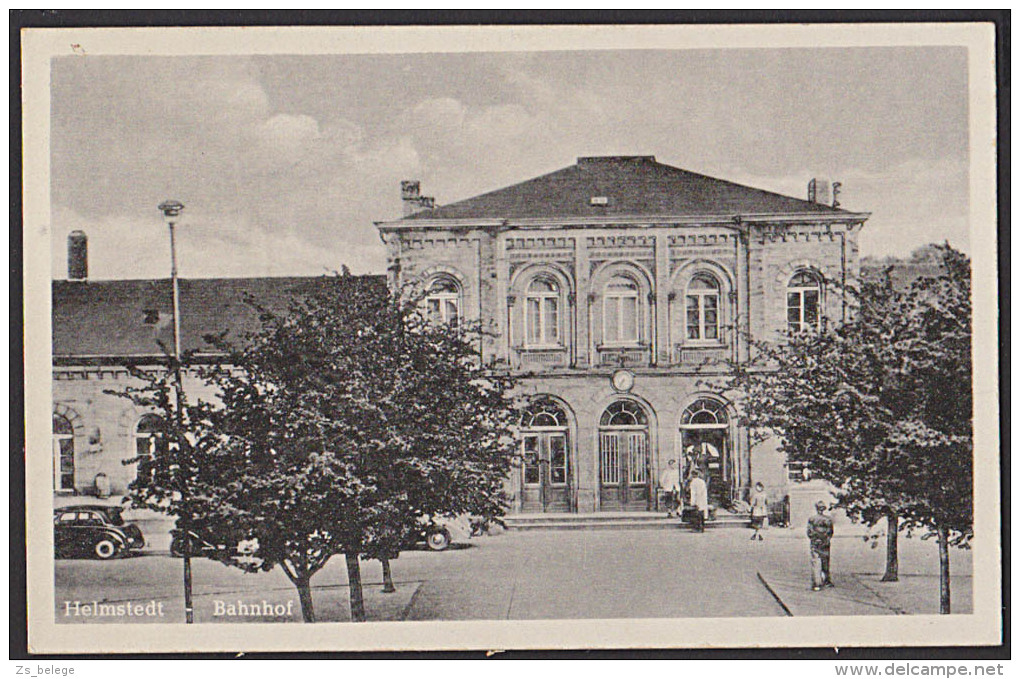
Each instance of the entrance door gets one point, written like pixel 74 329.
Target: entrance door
pixel 624 478
pixel 706 450
pixel 545 473
pixel 545 468
pixel 706 446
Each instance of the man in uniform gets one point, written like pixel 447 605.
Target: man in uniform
pixel 819 532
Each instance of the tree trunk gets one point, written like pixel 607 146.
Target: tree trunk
pixel 387 576
pixel 892 556
pixel 354 582
pixel 304 589
pixel 943 571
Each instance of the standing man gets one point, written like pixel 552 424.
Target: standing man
pixel 819 532
pixel 699 500
pixel 669 481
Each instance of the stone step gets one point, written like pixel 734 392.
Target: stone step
pixel 619 521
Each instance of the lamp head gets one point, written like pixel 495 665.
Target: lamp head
pixel 171 208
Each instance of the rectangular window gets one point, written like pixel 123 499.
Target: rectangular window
pixel 609 459
pixel 628 319
pixel 693 318
pixel 551 322
pixel 811 308
pixel 452 312
pixel 638 458
pixel 558 459
pixel 793 310
pixel 711 317
pixel 612 320
pixel 532 467
pixel 63 462
pixel 534 321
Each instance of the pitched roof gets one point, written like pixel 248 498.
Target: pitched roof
pixel 632 185
pixel 132 317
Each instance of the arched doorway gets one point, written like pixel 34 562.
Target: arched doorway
pixel 545 468
pixel 624 475
pixel 704 428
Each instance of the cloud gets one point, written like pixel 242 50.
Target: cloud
pixel 285 163
pixel 287 134
pixel 209 246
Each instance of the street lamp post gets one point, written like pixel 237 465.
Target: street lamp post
pixel 171 210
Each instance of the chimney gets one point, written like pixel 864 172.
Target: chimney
pixel 410 194
pixel 818 191
pixel 77 256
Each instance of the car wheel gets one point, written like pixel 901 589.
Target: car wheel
pixel 438 540
pixel 105 548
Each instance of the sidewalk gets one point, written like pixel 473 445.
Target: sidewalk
pixel 783 567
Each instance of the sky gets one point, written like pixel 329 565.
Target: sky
pixel 284 162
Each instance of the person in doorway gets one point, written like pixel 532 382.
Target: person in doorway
pixel 699 500
pixel 819 532
pixel 759 510
pixel 669 481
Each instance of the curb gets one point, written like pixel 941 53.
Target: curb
pixel 775 596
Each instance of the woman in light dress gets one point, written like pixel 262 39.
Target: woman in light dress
pixel 759 510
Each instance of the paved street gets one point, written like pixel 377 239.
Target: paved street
pixel 539 575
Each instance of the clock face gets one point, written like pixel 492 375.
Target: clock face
pixel 623 380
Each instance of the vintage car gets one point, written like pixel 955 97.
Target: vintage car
pixel 200 545
pixel 96 531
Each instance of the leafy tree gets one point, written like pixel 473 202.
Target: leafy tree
pixel 880 405
pixel 339 427
pixel 936 438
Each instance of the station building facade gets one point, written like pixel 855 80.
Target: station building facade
pixel 621 291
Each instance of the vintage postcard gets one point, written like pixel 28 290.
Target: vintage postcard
pixel 511 337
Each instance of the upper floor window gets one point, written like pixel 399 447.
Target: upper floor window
pixel 63 453
pixel 542 316
pixel 442 302
pixel 620 317
pixel 803 299
pixel 703 309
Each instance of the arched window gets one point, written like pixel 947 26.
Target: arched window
pixel 621 312
pixel 63 453
pixel 704 412
pixel 150 441
pixel 803 299
pixel 703 309
pixel 624 414
pixel 542 316
pixel 543 413
pixel 442 302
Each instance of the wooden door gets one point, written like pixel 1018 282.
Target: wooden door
pixel 546 473
pixel 623 470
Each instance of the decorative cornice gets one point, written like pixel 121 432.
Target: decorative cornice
pixel 733 221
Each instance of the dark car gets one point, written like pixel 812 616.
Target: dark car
pixel 436 537
pixel 199 545
pixel 96 531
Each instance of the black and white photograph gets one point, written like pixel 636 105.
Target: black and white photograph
pixel 348 338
